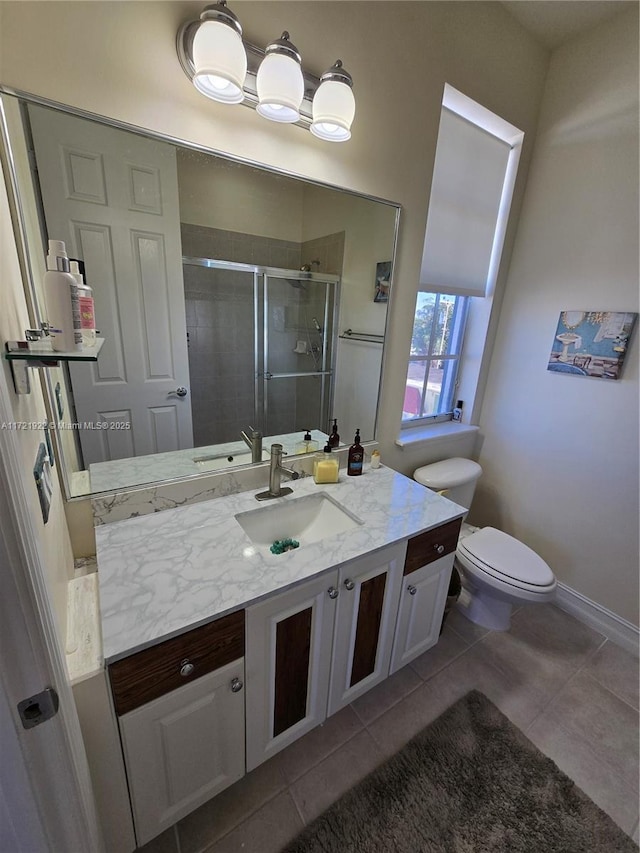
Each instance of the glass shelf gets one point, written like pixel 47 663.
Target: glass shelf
pixel 51 359
pixel 22 359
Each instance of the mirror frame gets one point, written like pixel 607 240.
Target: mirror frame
pixel 7 163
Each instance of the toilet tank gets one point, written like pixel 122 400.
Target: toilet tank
pixel 458 477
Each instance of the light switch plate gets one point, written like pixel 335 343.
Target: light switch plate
pixel 44 484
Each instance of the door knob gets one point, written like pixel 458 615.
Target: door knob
pixel 439 549
pixel 332 592
pixel 411 590
pixel 236 685
pixel 179 392
pixel 349 584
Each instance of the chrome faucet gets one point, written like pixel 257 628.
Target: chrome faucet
pixel 254 441
pixel 276 470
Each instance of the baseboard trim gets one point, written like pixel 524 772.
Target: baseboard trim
pixel 614 628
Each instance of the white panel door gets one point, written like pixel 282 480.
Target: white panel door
pixel 112 197
pixel 183 748
pixel 422 601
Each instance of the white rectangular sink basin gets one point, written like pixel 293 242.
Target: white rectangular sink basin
pixel 215 462
pixel 308 519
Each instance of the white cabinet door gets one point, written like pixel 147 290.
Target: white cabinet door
pixel 184 748
pixel 422 601
pixel 365 622
pixel 288 657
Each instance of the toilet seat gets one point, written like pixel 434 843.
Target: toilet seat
pixel 501 560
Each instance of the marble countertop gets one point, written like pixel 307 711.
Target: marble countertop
pixel 165 573
pixel 175 464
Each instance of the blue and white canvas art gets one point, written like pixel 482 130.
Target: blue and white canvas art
pixel 592 343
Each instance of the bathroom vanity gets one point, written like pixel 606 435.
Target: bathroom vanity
pixel 219 654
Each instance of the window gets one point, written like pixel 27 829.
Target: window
pixel 474 171
pixel 436 346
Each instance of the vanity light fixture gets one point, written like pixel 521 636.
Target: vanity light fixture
pixel 279 81
pixel 225 68
pixel 334 105
pixel 219 57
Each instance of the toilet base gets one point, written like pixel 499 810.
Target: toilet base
pixel 485 609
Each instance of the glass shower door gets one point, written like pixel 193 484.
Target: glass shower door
pixel 299 315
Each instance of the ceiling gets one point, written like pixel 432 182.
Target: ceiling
pixel 553 22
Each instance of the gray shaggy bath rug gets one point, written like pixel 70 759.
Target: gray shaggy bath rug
pixel 470 782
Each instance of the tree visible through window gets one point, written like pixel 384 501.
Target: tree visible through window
pixel 435 355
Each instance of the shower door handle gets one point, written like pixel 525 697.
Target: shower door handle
pixel 268 375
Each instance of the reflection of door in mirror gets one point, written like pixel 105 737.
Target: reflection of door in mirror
pixel 113 198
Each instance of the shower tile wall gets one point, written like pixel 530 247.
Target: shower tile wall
pixel 198 241
pixel 329 250
pixel 219 309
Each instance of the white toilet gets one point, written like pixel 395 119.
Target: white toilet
pixel 497 570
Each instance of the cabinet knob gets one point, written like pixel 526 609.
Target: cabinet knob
pixel 439 549
pixel 236 685
pixel 349 584
pixel 332 592
pixel 411 590
pixel 186 669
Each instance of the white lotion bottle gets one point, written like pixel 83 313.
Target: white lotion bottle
pixel 61 295
pixel 86 307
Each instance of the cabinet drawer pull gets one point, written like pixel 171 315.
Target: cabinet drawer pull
pixel 186 669
pixel 439 549
pixel 332 592
pixel 411 590
pixel 236 685
pixel 349 584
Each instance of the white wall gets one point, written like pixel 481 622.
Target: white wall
pixel 560 453
pixel 369 231
pixel 53 538
pixel 220 194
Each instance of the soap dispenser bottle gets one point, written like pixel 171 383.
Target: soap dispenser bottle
pixel 307 445
pixel 356 457
pixel 334 438
pixel 326 468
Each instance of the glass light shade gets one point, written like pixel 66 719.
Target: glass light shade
pixel 280 88
pixel 220 62
pixel 334 108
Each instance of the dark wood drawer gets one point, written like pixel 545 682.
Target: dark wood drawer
pixel 430 546
pixel 158 670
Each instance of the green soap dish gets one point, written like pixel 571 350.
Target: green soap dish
pixel 282 545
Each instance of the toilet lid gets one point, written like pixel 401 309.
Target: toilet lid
pixel 500 553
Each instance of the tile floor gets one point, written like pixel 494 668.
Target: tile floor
pixel 574 693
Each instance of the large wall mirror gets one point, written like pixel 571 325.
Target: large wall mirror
pixel 229 296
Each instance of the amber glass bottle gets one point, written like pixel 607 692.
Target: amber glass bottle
pixel 334 438
pixel 356 457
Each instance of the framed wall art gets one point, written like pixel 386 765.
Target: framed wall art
pixel 383 281
pixel 591 343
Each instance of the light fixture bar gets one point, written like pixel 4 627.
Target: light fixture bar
pixel 255 55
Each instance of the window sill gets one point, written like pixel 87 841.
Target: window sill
pixel 415 436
